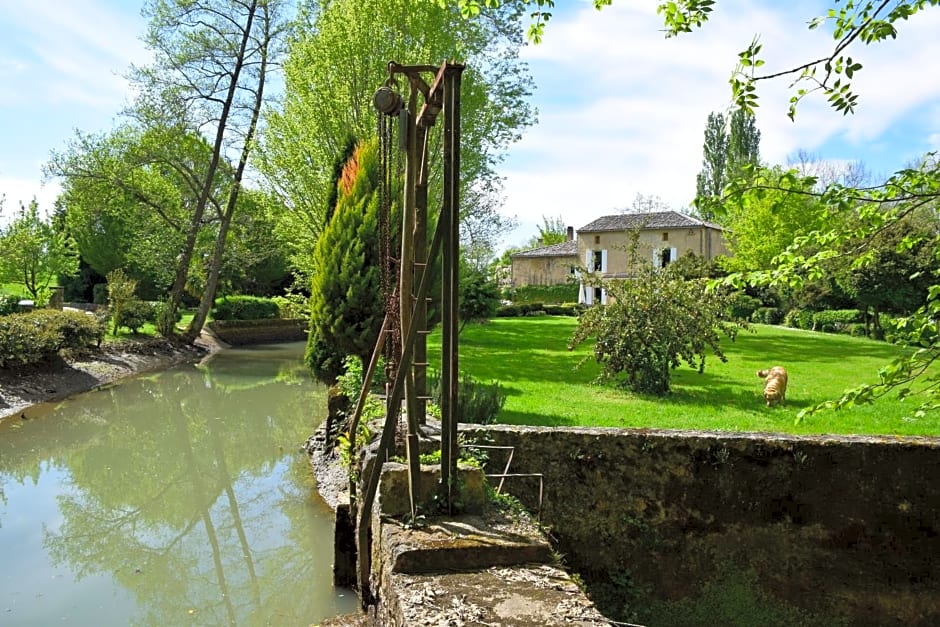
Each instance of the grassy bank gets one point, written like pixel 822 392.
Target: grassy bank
pixel 545 386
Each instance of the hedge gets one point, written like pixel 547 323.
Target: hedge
pixel 555 294
pixel 530 309
pixel 32 337
pixel 244 308
pixel 836 320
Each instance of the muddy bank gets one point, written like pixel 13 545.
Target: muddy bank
pixel 69 374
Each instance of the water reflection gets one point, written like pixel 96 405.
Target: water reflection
pixel 171 498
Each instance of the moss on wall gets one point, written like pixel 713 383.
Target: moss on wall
pixel 826 528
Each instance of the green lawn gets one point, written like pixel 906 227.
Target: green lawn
pixel 544 386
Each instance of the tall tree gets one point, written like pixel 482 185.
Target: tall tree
pixel 338 57
pixel 729 146
pixel 212 59
pixel 711 180
pixel 743 142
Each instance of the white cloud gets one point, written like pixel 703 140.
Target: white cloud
pixel 623 110
pixel 21 190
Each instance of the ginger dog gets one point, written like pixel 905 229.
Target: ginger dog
pixel 775 388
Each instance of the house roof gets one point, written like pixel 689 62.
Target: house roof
pixel 655 220
pixel 567 248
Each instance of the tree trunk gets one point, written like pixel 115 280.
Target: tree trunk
pixel 215 264
pixel 182 269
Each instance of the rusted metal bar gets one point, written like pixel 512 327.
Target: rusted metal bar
pixel 361 402
pixel 388 435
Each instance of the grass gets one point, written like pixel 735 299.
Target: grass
pixel 545 386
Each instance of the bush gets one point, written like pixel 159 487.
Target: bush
pixel 293 306
pixel 32 337
pixel 799 319
pixel 857 329
pixel 7 304
pixel 477 402
pixel 164 318
pixel 743 306
pixel 135 314
pixel 555 294
pixel 99 294
pixel 767 315
pixel 244 308
pixel 835 320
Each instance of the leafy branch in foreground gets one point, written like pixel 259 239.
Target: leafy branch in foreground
pixel 854 221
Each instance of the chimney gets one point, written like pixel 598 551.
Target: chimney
pixel 570 233
pixel 540 242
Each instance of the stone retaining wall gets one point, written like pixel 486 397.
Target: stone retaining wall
pixel 809 530
pixel 242 332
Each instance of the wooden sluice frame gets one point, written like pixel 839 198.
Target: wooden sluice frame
pixel 417 263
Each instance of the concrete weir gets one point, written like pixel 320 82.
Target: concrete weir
pixel 485 566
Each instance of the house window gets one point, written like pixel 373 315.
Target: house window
pixel 665 236
pixel 597 239
pixel 598 265
pixel 599 295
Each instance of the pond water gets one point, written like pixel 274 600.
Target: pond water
pixel 173 498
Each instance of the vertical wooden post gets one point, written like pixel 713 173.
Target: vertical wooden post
pixel 450 215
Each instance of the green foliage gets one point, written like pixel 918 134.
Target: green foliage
pixel 7 304
pixel 733 597
pixel 32 337
pixel 134 314
pixel 241 307
pixel 743 306
pixel 33 252
pixel 835 321
pixel 477 402
pixel 343 38
pixel 479 298
pixel 166 318
pixel 293 306
pixel 346 305
pixel 556 294
pixel 536 309
pixel 121 290
pixel 652 324
pixel 767 315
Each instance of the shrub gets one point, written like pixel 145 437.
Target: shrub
pixel 857 329
pixel 293 306
pixel 477 402
pixel 653 324
pixel 135 314
pixel 7 304
pixel 767 315
pixel 479 298
pixel 244 308
pixel 742 306
pixel 99 294
pixel 555 294
pixel 120 294
pixel 835 320
pixel 27 338
pixel 165 318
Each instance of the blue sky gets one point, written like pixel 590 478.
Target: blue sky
pixel 622 110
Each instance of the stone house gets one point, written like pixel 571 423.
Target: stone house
pixel 605 246
pixel 546 265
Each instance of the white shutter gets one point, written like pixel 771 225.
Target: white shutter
pixel 603 296
pixel 604 260
pixel 673 255
pixel 581 291
pixel 588 295
pixel 588 259
pixel 657 258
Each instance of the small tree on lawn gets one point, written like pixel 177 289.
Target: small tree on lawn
pixel 33 252
pixel 651 324
pixel 120 295
pixel 479 298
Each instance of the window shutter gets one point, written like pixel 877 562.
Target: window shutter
pixel 589 260
pixel 657 258
pixel 604 260
pixel 673 255
pixel 588 295
pixel 603 296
